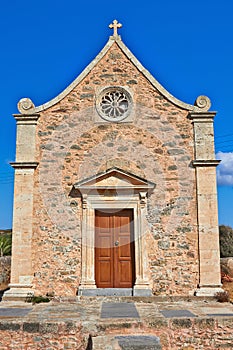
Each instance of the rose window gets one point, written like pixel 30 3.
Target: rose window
pixel 114 104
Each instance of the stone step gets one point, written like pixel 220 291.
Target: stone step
pixel 107 292
pixel 152 299
pixel 126 342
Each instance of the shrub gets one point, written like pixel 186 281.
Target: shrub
pixel 36 299
pixel 40 299
pixel 5 244
pixel 226 241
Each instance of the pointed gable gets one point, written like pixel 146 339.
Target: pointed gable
pixel 115 47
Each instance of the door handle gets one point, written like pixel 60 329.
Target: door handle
pixel 116 243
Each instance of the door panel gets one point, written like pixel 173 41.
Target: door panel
pixel 103 251
pixel 105 276
pixel 124 249
pixel 124 270
pixel 105 243
pixel 114 249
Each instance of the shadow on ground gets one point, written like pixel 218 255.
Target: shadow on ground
pixel 2 292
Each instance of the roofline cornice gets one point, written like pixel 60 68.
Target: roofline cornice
pixel 202 103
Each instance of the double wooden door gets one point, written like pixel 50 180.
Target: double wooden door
pixel 114 249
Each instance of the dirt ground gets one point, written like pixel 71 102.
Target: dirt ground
pixel 228 286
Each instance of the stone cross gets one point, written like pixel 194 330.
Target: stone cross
pixel 115 25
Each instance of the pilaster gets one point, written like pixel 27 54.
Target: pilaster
pixel 25 165
pixel 205 165
pixel 88 257
pixel 142 285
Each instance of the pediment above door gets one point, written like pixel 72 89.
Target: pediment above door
pixel 114 179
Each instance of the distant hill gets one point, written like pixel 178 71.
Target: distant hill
pixel 6 232
pixel 226 241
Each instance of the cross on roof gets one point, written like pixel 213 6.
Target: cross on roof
pixel 115 25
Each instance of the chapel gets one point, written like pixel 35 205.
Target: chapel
pixel 115 188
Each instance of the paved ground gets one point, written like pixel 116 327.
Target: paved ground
pixel 102 309
pixel 121 322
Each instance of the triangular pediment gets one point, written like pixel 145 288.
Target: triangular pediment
pixel 114 178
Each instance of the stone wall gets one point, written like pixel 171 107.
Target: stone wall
pixel 20 336
pixel 181 334
pixel 5 271
pixel 174 334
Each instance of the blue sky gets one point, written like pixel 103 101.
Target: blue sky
pixel 186 45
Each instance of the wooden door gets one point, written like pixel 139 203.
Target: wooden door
pixel 114 249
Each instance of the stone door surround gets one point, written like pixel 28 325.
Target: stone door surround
pixel 116 190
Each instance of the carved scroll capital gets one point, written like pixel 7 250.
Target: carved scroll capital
pixel 143 199
pixel 203 102
pixel 26 106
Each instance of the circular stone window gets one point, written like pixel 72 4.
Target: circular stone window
pixel 114 104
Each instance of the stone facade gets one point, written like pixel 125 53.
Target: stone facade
pixel 162 140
